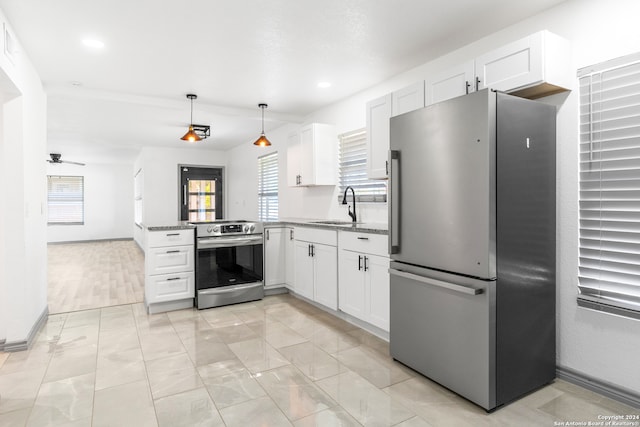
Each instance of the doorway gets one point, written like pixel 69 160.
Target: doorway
pixel 201 191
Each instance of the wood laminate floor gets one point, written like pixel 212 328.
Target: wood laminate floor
pixel 91 275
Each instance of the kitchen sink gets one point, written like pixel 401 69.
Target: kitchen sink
pixel 334 222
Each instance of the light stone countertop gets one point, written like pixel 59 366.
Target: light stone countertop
pixel 178 225
pixel 362 227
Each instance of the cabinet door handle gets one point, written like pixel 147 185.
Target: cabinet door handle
pixel 267 234
pixel 363 238
pixel 184 195
pixel 291 234
pixel 468 85
pixel 173 234
pixel 386 167
pixel 309 250
pixel 366 267
pixel 173 278
pixel 313 250
pixel 359 262
pixel 477 83
pixel 173 252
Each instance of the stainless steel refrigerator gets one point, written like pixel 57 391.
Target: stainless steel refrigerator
pixel 472 242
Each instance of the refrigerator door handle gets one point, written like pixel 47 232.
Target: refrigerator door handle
pixel 438 283
pixel 394 201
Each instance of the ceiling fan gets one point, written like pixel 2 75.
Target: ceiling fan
pixel 55 159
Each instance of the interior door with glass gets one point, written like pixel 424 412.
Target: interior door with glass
pixel 201 193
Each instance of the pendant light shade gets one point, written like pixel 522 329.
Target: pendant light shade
pixel 191 136
pixel 262 141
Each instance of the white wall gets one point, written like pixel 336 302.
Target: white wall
pixel 23 186
pixel 598 345
pixel 160 166
pixel 108 202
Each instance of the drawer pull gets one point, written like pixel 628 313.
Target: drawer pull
pixel 363 238
pixel 173 278
pixel 173 234
pixel 173 252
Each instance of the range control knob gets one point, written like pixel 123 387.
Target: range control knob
pixel 246 228
pixel 216 228
pixel 209 229
pixel 252 227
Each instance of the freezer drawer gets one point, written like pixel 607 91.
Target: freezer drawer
pixel 445 329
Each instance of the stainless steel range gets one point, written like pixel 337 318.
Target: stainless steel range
pixel 228 263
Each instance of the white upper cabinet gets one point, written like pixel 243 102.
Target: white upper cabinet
pixel 293 159
pixel 532 67
pixel 456 81
pixel 378 115
pixel 379 111
pixel 407 99
pixel 312 156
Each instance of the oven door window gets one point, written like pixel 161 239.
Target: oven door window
pixel 228 266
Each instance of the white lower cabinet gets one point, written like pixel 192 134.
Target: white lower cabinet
pixel 169 282
pixel 274 257
pixel 363 272
pixel 289 262
pixel 316 266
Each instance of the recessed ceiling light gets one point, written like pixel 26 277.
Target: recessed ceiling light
pixel 93 43
pixel 324 85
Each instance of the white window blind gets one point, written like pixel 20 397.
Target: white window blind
pixel 353 169
pixel 268 187
pixel 609 265
pixel 65 199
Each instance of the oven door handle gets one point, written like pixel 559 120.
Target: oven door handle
pixel 228 243
pixel 228 289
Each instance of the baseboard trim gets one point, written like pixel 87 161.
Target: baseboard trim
pixel 607 389
pixel 25 344
pixel 116 239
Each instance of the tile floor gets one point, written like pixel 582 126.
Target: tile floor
pixel 275 362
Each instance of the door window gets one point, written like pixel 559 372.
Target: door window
pixel 201 194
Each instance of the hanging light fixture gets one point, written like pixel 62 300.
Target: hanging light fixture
pixel 262 141
pixel 191 136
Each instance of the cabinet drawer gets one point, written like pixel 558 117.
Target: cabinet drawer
pixel 157 239
pixel 368 243
pixel 316 235
pixel 169 287
pixel 172 259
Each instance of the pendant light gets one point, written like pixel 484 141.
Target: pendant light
pixel 191 136
pixel 262 141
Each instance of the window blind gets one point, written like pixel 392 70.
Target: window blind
pixel 609 264
pixel 65 199
pixel 353 169
pixel 268 187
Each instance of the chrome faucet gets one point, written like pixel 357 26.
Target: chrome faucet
pixel 344 202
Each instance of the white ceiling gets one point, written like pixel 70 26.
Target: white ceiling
pixel 233 54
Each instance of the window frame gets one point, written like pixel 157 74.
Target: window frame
pixel 609 176
pixel 367 190
pixel 50 199
pixel 268 164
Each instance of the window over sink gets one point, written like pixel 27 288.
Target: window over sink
pixel 353 169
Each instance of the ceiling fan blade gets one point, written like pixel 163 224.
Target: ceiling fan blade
pixel 71 163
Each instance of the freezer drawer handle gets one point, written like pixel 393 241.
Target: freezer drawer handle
pixel 439 283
